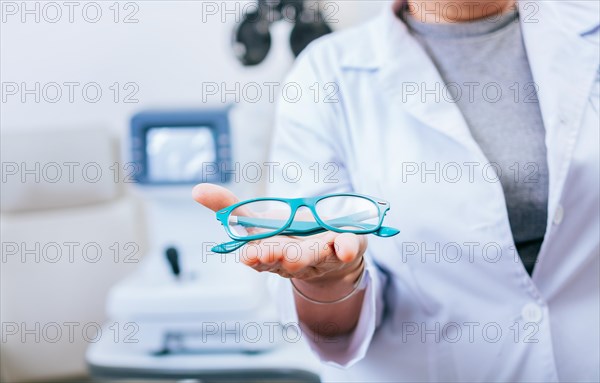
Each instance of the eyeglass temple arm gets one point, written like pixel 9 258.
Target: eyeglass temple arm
pixel 386 231
pixel 228 247
pixel 231 246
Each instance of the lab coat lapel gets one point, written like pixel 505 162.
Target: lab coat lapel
pixel 407 75
pixel 564 66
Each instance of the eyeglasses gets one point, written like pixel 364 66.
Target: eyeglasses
pixel 267 217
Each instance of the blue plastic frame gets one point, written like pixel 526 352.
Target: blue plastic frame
pixel 300 228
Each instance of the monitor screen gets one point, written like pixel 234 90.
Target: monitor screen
pixel 179 154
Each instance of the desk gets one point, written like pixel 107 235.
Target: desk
pixel 289 362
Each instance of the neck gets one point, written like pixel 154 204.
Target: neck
pixel 456 11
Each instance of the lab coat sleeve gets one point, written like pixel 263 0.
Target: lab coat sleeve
pixel 309 134
pixel 342 351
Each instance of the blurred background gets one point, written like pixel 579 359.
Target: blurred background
pixel 104 270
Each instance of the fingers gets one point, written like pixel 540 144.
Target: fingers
pixel 316 255
pixel 319 255
pixel 213 196
pixel 308 253
pixel 269 252
pixel 348 246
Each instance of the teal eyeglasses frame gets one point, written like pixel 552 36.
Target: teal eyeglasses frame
pixel 301 228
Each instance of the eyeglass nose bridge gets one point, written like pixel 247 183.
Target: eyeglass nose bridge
pixel 297 206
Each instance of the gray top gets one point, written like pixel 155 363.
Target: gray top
pixel 501 109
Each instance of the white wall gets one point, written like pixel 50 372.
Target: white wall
pixel 169 54
pixel 174 49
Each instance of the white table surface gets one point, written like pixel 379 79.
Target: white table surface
pixel 125 360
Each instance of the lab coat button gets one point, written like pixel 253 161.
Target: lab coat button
pixel 532 312
pixel 558 215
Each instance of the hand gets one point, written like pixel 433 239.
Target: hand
pixel 317 260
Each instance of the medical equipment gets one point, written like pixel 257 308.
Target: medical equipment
pixel 181 298
pixel 180 147
pixel 252 38
pixel 292 362
pixel 191 314
pixel 266 217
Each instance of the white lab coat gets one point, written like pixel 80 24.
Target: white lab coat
pixel 448 299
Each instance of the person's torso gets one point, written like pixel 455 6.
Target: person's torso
pixel 455 272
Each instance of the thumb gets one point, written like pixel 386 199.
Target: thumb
pixel 213 196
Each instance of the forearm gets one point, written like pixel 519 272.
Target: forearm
pixel 331 319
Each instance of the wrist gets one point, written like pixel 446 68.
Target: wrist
pixel 331 288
